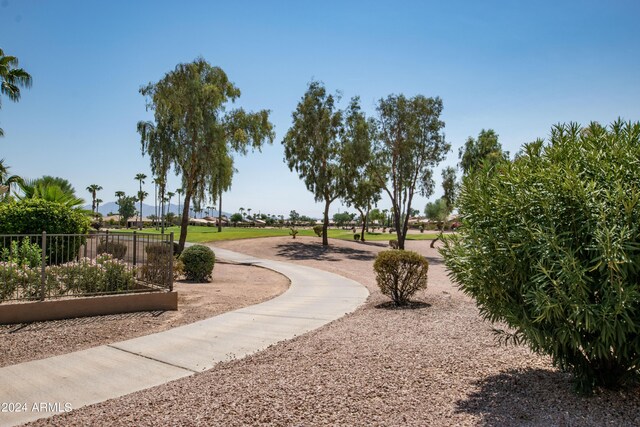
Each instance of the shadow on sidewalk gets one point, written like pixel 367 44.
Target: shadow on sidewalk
pixel 305 250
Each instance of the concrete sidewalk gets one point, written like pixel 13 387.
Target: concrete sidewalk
pixel 42 388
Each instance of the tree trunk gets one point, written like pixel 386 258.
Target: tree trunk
pixel 325 224
pixel 220 212
pixel 185 219
pixel 363 216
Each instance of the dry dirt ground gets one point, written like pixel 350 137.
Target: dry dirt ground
pixel 232 287
pixel 436 364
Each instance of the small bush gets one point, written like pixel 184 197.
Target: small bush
pixel 393 244
pixel 422 228
pixel 157 266
pixel 392 230
pixel 116 249
pixel 318 230
pixel 356 236
pixel 400 274
pixel 23 254
pixel 293 232
pixel 198 263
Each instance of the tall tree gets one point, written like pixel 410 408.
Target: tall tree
pixel 140 177
pixel 98 201
pixel 126 207
pixel 12 79
pixel 450 187
pixel 315 146
pixel 179 192
pixel 409 143
pixel 361 191
pixel 93 189
pixel 477 152
pixel 190 112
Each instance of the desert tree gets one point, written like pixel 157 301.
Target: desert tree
pixel 316 146
pixel 476 152
pixel 190 105
pixel 361 190
pixel 408 144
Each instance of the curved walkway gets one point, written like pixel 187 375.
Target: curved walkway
pixel 42 388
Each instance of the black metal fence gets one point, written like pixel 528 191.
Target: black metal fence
pixel 45 266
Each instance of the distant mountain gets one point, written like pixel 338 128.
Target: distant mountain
pixel 147 210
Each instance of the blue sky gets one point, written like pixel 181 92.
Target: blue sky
pixel 516 67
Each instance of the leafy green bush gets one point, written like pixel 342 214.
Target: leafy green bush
pixel 356 236
pixel 393 244
pixel 116 249
pixel 400 274
pixel 293 233
pixel 23 254
pixel 33 216
pixel 198 262
pixel 550 245
pixel 318 230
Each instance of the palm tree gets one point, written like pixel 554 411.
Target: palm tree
pixel 93 189
pixel 98 201
pixel 169 197
pixel 52 189
pixel 140 178
pixel 249 212
pixel 179 191
pixel 242 212
pixel 141 196
pixel 11 78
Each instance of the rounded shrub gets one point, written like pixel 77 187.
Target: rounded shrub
pixel 400 274
pixel 356 236
pixel 318 230
pixel 550 246
pixel 116 249
pixel 33 216
pixel 198 263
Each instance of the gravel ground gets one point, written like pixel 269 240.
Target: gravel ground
pixel 435 364
pixel 233 287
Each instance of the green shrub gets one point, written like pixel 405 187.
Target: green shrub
pixel 550 246
pixel 393 244
pixel 23 254
pixel 33 216
pixel 158 262
pixel 293 232
pixel 198 263
pixel 356 236
pixel 400 274
pixel 318 230
pixel 116 249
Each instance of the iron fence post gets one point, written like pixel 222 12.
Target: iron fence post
pixel 171 262
pixel 43 274
pixel 135 248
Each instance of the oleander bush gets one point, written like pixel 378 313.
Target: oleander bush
pixel 116 249
pixel 550 246
pixel 318 230
pixel 400 274
pixel 23 253
pixel 356 236
pixel 198 263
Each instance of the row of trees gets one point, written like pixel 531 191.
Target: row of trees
pixel 342 154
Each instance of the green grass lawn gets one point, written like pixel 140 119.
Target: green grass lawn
pixel 199 234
